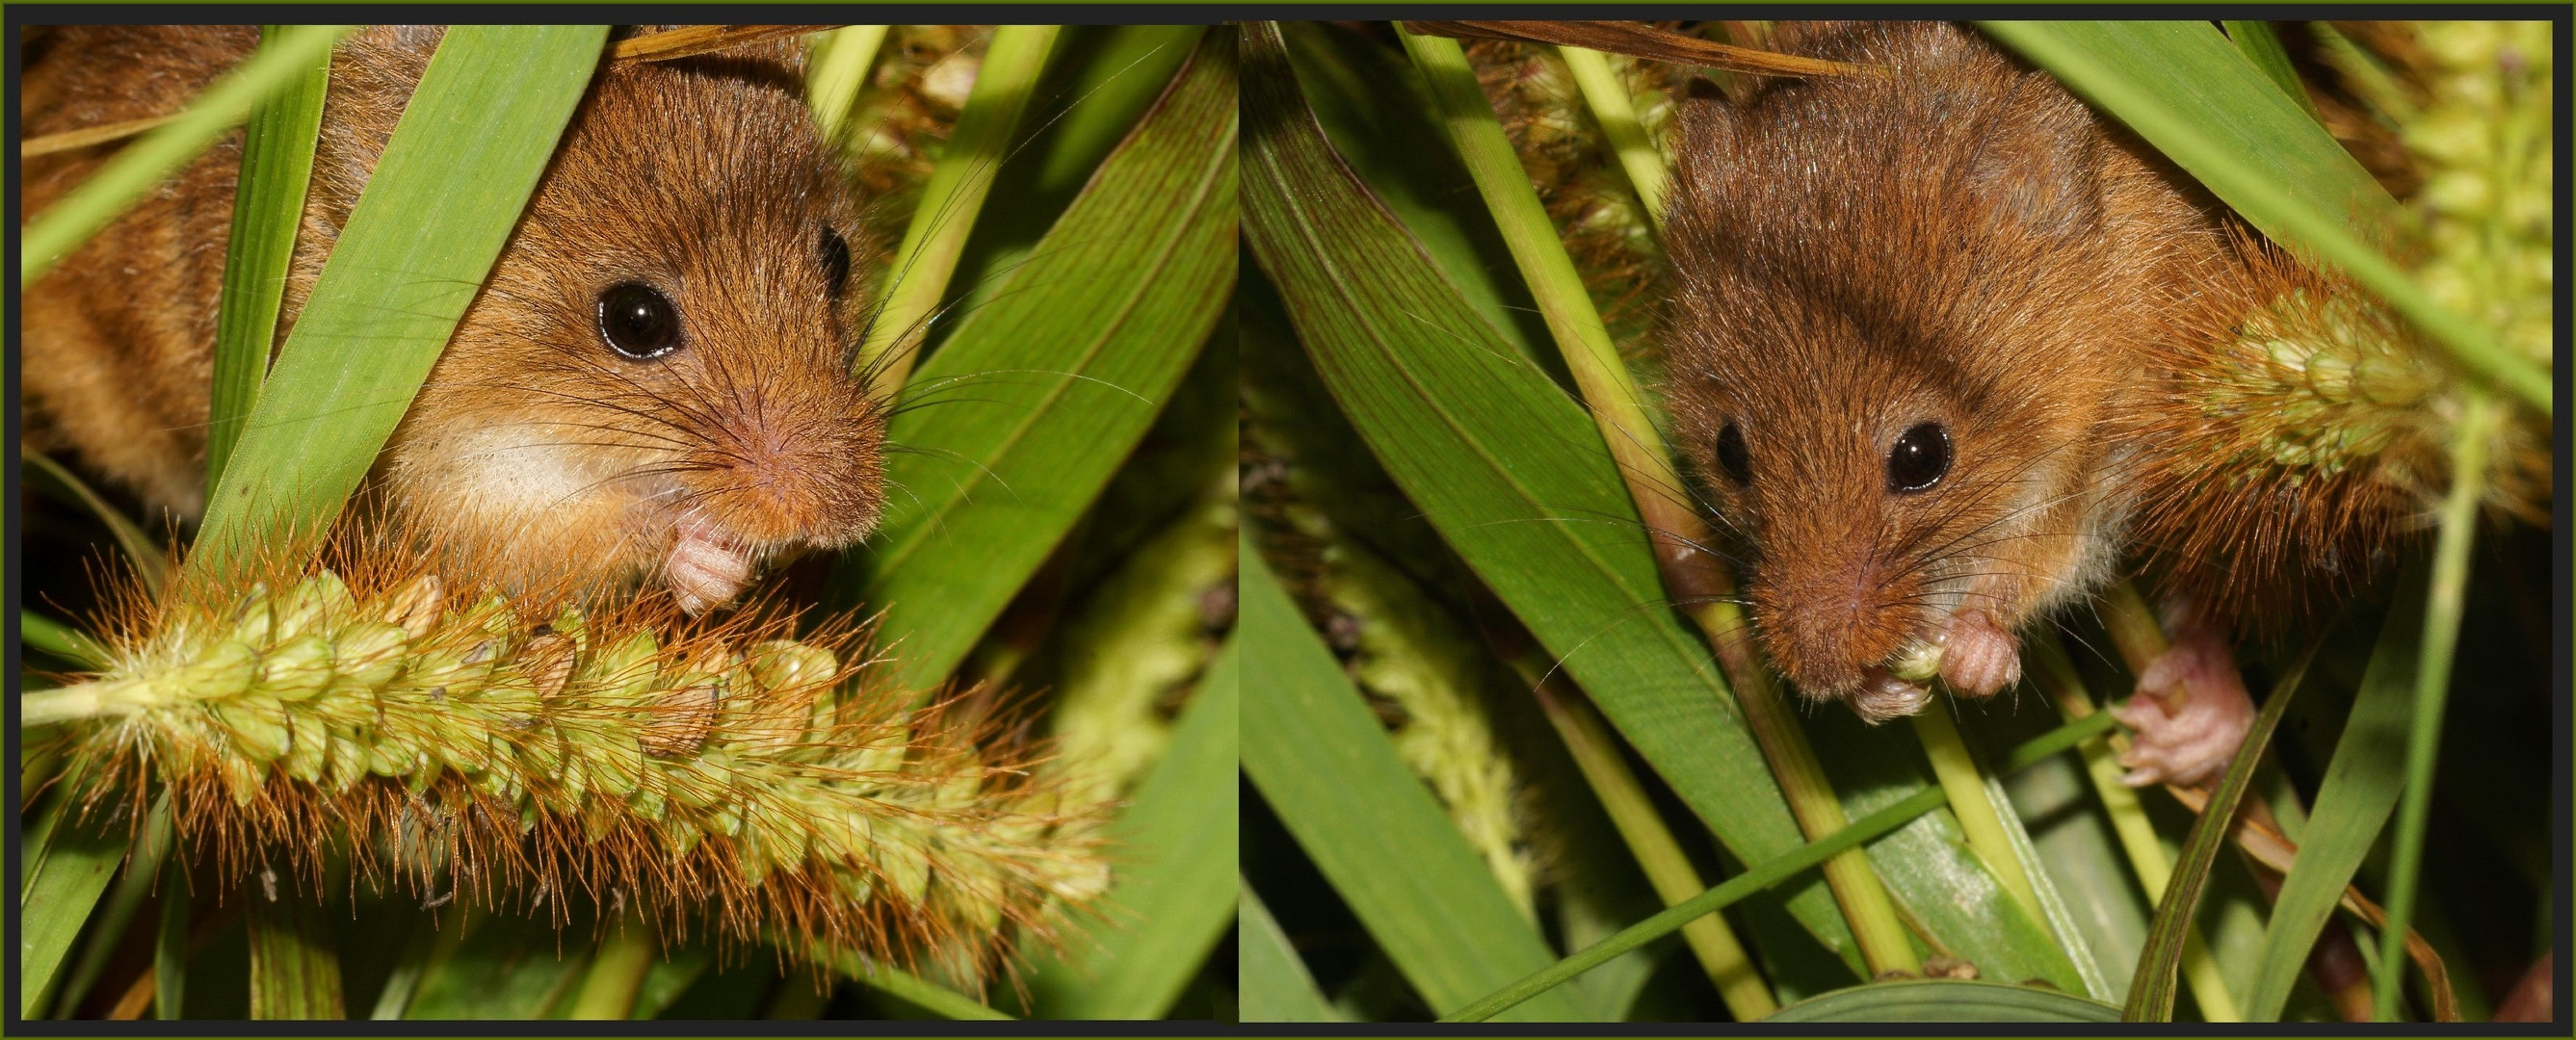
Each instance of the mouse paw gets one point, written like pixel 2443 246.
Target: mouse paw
pixel 1979 657
pixel 705 567
pixel 1883 696
pixel 2191 713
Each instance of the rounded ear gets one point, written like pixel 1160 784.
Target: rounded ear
pixel 2039 166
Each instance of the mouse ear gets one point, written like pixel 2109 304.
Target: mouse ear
pixel 2037 164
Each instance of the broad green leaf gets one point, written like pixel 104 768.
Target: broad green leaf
pixel 2184 89
pixel 1058 378
pixel 1944 1000
pixel 66 872
pixel 453 180
pixel 2353 802
pixel 1511 471
pixel 1273 980
pixel 1327 766
pixel 144 164
pixel 268 204
pixel 38 632
pixel 1176 877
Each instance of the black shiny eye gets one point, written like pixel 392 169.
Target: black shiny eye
pixel 1920 458
pixel 638 322
pixel 836 261
pixel 1731 455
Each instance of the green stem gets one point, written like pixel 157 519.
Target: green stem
pixel 294 958
pixel 170 947
pixel 1616 113
pixel 1978 818
pixel 2100 750
pixel 153 157
pixel 617 972
pixel 2442 607
pixel 840 62
pixel 1669 869
pixel 1690 575
pixel 946 216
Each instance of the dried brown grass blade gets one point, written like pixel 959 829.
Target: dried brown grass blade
pixel 84 137
pixel 1642 41
pixel 701 39
pixel 2269 847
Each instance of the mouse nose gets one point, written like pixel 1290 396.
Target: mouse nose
pixel 783 474
pixel 1825 626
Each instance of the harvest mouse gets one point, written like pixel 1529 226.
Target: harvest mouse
pixel 655 382
pixel 1914 317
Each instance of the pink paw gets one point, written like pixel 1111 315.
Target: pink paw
pixel 705 568
pixel 2191 713
pixel 1979 657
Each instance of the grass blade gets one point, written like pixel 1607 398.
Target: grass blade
pixel 2186 91
pixel 144 164
pixel 151 565
pixel 170 948
pixel 38 632
pixel 66 873
pixel 442 200
pixel 2361 787
pixel 837 70
pixel 946 215
pixel 1177 876
pixel 2151 991
pixel 1274 982
pixel 1066 372
pixel 1324 762
pixel 268 203
pixel 1511 472
pixel 1944 1000
pixel 2470 434
pixel 294 958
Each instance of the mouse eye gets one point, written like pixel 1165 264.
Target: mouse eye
pixel 1919 460
pixel 638 322
pixel 836 261
pixel 1731 455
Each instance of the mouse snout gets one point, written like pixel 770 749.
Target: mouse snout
pixel 1828 620
pixel 782 473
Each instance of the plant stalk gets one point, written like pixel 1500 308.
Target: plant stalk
pixel 1616 113
pixel 936 238
pixel 2442 608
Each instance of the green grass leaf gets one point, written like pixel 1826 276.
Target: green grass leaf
pixel 148 161
pixel 268 203
pixel 1944 1000
pixel 2188 92
pixel 1177 873
pixel 451 185
pixel 67 871
pixel 2151 990
pixel 1058 378
pixel 1275 985
pixel 1327 766
pixel 2353 802
pixel 1508 469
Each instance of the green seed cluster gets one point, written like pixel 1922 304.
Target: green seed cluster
pixel 2319 382
pixel 2482 138
pixel 726 762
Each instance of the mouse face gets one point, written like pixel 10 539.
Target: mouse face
pixel 1908 322
pixel 656 382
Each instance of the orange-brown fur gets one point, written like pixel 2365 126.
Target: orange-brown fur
pixel 702 176
pixel 1959 241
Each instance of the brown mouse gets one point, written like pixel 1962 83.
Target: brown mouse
pixel 1917 319
pixel 655 383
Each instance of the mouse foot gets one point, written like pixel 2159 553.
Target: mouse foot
pixel 706 567
pixel 1978 656
pixel 1883 696
pixel 2191 712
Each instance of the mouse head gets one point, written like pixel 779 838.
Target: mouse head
pixel 657 380
pixel 1888 360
